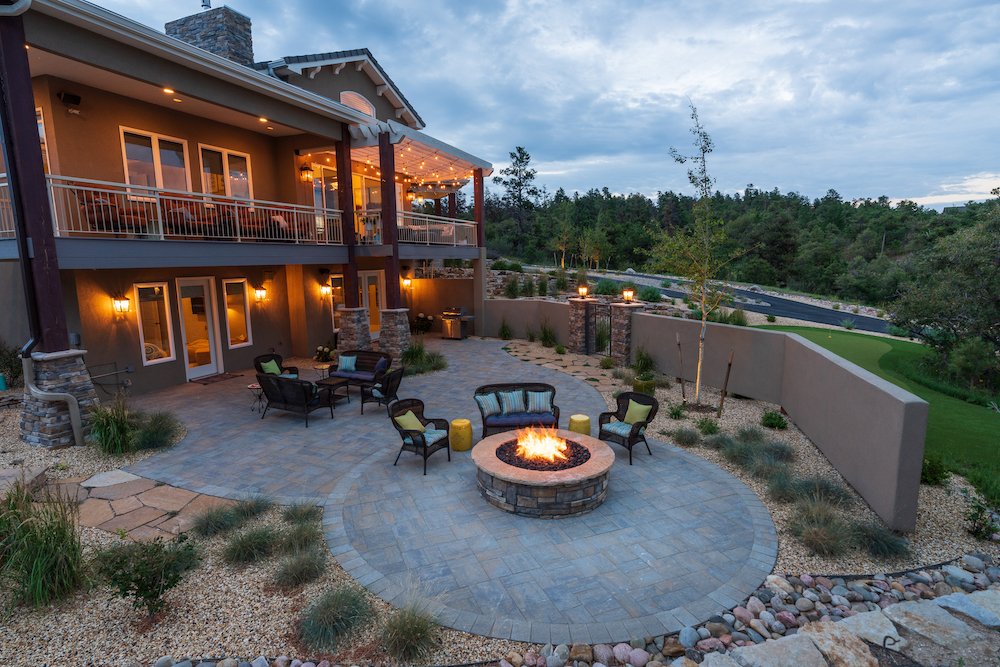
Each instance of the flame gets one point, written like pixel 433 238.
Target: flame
pixel 541 444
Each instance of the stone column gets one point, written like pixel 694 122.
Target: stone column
pixel 45 423
pixel 355 331
pixel 621 332
pixel 582 326
pixel 394 334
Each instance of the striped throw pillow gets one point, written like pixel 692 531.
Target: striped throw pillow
pixel 512 402
pixel 489 404
pixel 539 401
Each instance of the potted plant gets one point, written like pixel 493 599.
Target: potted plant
pixel 644 383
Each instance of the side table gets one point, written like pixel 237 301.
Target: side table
pixel 460 435
pixel 258 397
pixel 580 424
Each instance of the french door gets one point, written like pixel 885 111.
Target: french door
pixel 199 326
pixel 372 287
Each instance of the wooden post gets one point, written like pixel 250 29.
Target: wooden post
pixel 453 205
pixel 345 199
pixel 28 192
pixel 437 207
pixel 478 206
pixel 725 384
pixel 680 368
pixel 387 165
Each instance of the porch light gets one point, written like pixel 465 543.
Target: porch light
pixel 407 282
pixel 325 290
pixel 306 174
pixel 582 290
pixel 120 304
pixel 628 295
pixel 260 294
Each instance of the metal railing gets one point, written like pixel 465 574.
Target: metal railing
pixel 368 227
pixel 6 210
pixel 87 208
pixel 425 229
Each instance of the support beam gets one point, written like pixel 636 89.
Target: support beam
pixel 437 206
pixel 453 205
pixel 478 206
pixel 336 70
pixel 29 198
pixel 390 236
pixel 345 199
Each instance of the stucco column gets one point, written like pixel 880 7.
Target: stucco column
pixel 582 326
pixel 621 332
pixel 394 332
pixel 45 423
pixel 355 332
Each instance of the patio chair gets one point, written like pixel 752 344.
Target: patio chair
pixel 383 392
pixel 621 428
pixel 259 361
pixel 433 437
pixel 293 395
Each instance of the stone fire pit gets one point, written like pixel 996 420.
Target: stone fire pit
pixel 547 494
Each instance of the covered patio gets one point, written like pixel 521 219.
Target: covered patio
pixel 676 539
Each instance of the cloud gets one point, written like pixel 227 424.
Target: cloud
pixel 975 187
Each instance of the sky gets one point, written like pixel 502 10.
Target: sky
pixel 900 99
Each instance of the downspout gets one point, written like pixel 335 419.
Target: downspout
pixel 28 368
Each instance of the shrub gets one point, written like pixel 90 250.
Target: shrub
pixel 933 471
pixel 499 265
pixel 560 349
pixel 879 541
pixel 606 287
pixel 662 381
pixel 836 306
pixel 515 267
pixel 531 335
pixel 547 335
pixel 707 426
pixel 675 411
pixel 300 568
pixel 979 515
pixel 41 557
pixel 158 430
pixel 718 441
pixel 250 546
pixel 562 281
pixel 215 520
pixel 512 289
pixel 774 419
pixel 602 335
pixel 650 294
pixel 899 332
pixel 528 286
pixel 505 332
pixel 252 506
pixel 820 528
pixel 855 310
pixel 145 571
pixel 10 365
pixel 626 375
pixel 780 451
pixel 334 615
pixel 417 360
pixel 764 466
pixel 607 363
pixel 781 486
pixel 301 536
pixel 543 285
pixel 750 434
pixel 847 323
pixel 644 362
pixel 410 634
pixel 113 426
pixel 823 489
pixel 741 453
pixel 737 317
pixel 771 318
pixel 687 437
pixel 302 513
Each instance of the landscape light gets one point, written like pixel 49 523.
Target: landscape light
pixel 582 291
pixel 628 295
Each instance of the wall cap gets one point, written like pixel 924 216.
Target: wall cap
pixel 55 356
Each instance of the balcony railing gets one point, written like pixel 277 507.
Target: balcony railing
pixel 6 210
pixel 86 208
pixel 368 227
pixel 425 229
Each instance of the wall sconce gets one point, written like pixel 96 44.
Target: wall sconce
pixel 325 290
pixel 306 174
pixel 260 294
pixel 582 290
pixel 120 304
pixel 407 282
pixel 628 295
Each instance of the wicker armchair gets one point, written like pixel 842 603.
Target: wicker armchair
pixel 384 394
pixel 612 426
pixel 421 443
pixel 276 358
pixel 293 395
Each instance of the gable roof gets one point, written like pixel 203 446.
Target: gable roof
pixel 311 64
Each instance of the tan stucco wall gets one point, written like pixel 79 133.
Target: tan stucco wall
pixel 13 320
pixel 432 295
pixel 331 86
pixel 523 314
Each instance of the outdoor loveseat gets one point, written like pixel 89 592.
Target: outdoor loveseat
pixel 368 367
pixel 293 395
pixel 505 407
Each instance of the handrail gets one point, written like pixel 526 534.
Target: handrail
pixel 6 209
pixel 426 229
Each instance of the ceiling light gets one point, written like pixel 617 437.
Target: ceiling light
pixel 269 127
pixel 169 91
pixel 262 119
pixel 177 99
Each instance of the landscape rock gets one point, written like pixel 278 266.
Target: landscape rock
pixel 229 662
pixel 688 637
pixel 638 657
pixel 164 661
pixel 515 659
pixel 581 652
pixel 621 652
pixel 743 614
pixel 672 648
pixel 261 661
pixel 554 661
pixel 967 605
pixel 755 606
pixel 973 563
pixel 776 583
pixel 603 654
pixel 562 652
pixel 931 621
pixel 796 650
pixel 839 646
pixel 718 660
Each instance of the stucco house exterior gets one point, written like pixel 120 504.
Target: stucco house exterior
pixel 208 207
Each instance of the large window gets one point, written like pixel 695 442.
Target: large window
pixel 155 161
pixel 225 173
pixel 237 313
pixel 156 334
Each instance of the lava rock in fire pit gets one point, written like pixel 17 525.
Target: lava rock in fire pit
pixel 575 454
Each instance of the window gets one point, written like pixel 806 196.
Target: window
pixel 41 139
pixel 225 173
pixel 358 102
pixel 237 313
pixel 155 161
pixel 156 335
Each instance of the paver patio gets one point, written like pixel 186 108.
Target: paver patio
pixel 676 540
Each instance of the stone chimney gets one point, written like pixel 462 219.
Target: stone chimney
pixel 222 31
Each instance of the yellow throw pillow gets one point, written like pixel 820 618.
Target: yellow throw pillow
pixel 637 412
pixel 409 422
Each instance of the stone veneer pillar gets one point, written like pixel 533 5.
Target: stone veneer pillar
pixel 355 330
pixel 621 332
pixel 394 334
pixel 582 326
pixel 47 423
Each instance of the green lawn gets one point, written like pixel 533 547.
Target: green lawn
pixel 965 436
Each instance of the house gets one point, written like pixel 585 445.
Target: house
pixel 208 207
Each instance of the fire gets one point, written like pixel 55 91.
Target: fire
pixel 541 444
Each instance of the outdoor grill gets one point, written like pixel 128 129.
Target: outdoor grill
pixel 455 323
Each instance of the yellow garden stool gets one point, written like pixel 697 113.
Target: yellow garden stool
pixel 461 435
pixel 580 424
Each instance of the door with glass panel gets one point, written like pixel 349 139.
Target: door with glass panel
pixel 199 328
pixel 372 287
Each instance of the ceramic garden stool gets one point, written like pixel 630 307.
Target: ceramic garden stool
pixel 580 424
pixel 461 435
